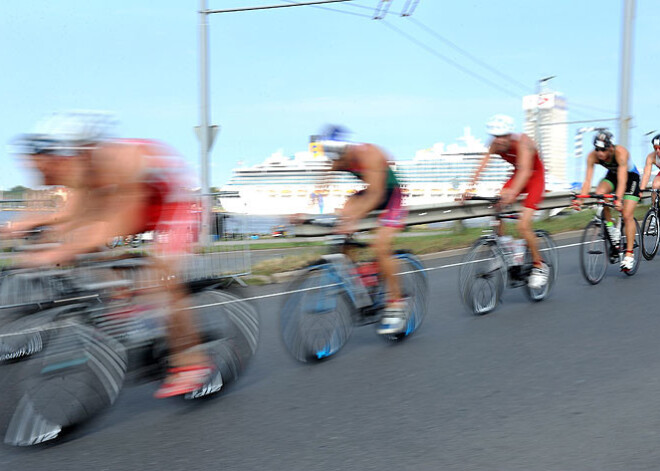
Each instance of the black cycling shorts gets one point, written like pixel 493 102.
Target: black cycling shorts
pixel 632 185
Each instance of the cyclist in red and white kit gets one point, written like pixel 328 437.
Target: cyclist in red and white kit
pixel 528 177
pixel 119 187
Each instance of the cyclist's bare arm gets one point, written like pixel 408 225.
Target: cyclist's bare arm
pixel 56 220
pixel 591 161
pixel 481 167
pixel 648 167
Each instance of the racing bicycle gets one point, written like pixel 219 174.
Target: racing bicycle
pixel 334 294
pixel 71 337
pixel 597 248
pixel 490 265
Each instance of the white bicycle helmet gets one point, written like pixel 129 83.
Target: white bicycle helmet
pixel 500 125
pixel 66 133
pixel 333 141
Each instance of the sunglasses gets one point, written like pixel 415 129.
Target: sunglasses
pixel 598 149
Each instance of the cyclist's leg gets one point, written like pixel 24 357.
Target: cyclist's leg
pixel 189 367
pixel 534 189
pixel 382 247
pixel 630 200
pixel 607 185
pixel 500 226
pixel 395 317
pixel 526 232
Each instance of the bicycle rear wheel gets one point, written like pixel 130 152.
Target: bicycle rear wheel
pixel 548 251
pixel 637 248
pixel 316 319
pixel 229 327
pixel 482 277
pixel 650 235
pixel 414 288
pixel 593 253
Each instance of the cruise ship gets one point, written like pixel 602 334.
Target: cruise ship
pixel 304 184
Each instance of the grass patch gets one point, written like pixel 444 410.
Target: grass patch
pixel 289 263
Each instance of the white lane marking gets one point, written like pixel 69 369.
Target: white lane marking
pixel 283 293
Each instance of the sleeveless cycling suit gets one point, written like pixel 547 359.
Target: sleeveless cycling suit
pixel 170 211
pixel 393 215
pixel 632 185
pixel 535 186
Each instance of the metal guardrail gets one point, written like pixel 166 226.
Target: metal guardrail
pixel 454 211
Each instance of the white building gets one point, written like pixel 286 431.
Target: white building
pixel 552 139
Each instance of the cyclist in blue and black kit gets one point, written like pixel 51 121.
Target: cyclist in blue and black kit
pixel 623 179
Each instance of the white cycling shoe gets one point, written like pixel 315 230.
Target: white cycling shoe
pixel 394 320
pixel 628 262
pixel 539 276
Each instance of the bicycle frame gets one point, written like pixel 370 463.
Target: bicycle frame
pixel 614 251
pixel 515 274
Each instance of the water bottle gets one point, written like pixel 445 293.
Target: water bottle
pixel 507 246
pixel 368 272
pixel 519 247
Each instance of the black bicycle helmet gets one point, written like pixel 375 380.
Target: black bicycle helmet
pixel 603 140
pixel 656 140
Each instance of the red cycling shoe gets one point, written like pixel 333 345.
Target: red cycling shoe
pixel 185 379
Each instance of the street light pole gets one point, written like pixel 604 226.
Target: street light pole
pixel 204 122
pixel 626 69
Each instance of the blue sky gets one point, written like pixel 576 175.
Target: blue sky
pixel 277 76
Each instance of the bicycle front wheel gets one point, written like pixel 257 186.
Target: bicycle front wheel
pixel 593 253
pixel 637 246
pixel 317 317
pixel 482 277
pixel 650 235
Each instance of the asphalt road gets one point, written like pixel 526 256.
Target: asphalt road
pixel 571 383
